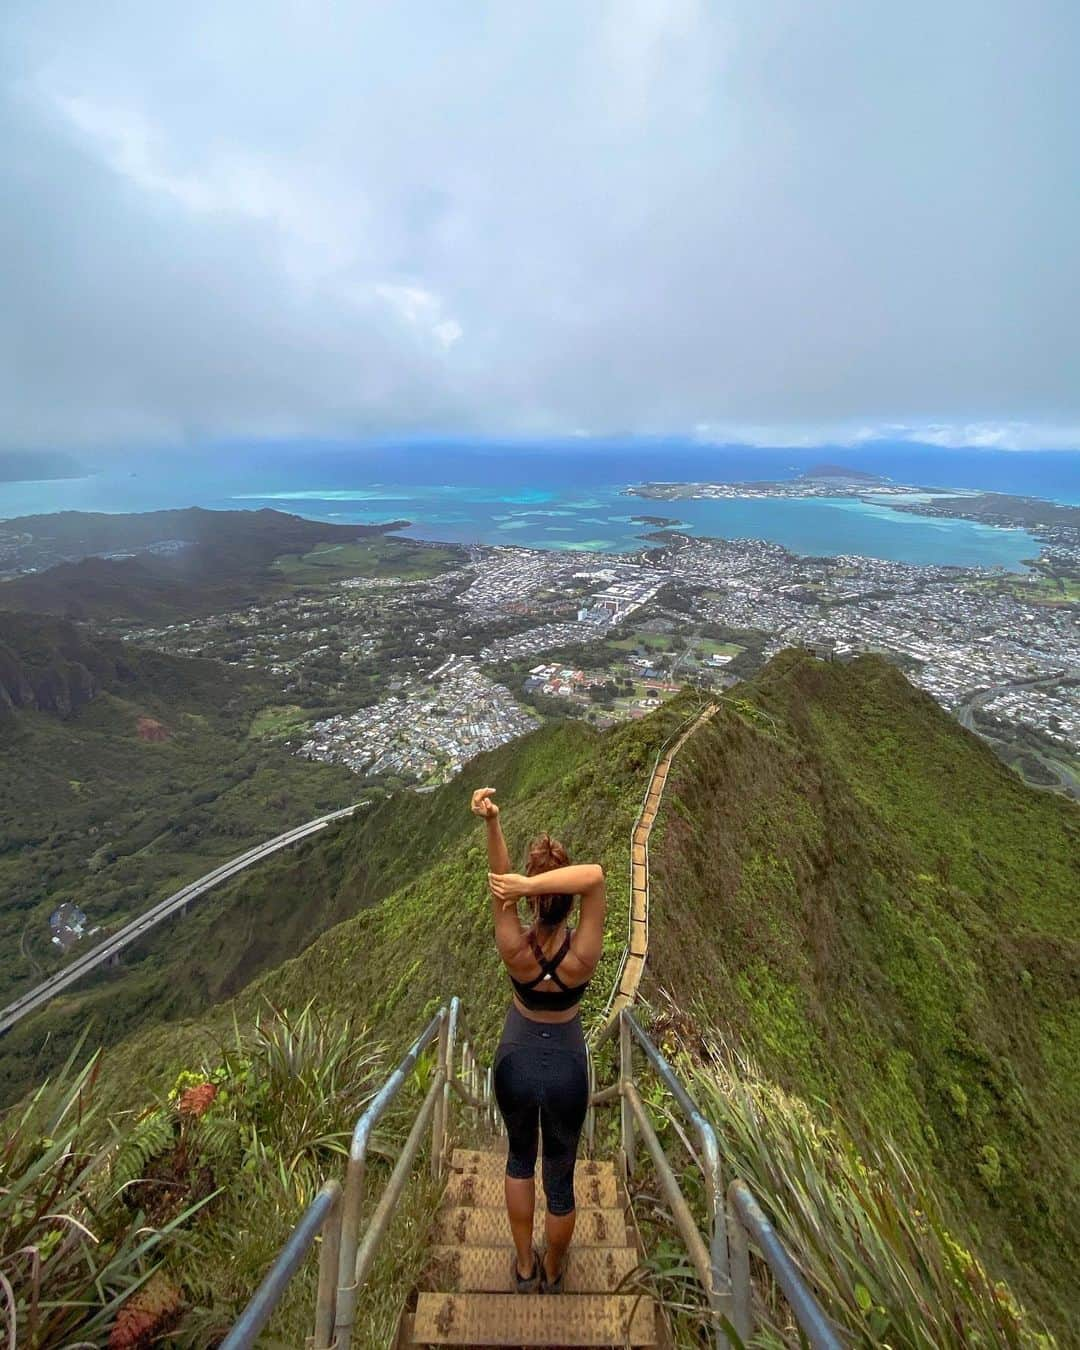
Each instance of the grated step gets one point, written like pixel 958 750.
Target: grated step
pixel 484 1190
pixel 462 1226
pixel 494 1163
pixel 534 1319
pixel 589 1270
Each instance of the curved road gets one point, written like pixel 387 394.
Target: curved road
pixel 112 946
pixel 965 714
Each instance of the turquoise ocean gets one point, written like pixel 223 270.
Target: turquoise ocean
pixel 573 495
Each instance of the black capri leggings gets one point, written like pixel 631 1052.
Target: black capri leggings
pixel 542 1081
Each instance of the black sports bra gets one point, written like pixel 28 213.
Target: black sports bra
pixel 568 996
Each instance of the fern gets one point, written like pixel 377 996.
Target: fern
pixel 219 1142
pixel 152 1136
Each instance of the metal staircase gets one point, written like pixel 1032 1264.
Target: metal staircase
pixel 464 1295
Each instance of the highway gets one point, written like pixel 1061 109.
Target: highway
pixel 131 932
pixel 966 716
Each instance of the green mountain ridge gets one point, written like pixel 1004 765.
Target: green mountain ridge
pixel 845 883
pixel 126 773
pixel 51 667
pixel 860 895
pixel 846 886
pixel 211 560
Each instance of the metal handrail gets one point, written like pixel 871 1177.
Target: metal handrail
pixel 467 1082
pixel 709 1158
pixel 711 1261
pixel 723 1274
pixel 354 1174
pixel 471 1087
pixel 747 1218
pixel 323 1216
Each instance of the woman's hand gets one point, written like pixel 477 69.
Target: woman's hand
pixel 482 805
pixel 508 887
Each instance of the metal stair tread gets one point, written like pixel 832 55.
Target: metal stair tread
pixel 487 1160
pixel 589 1270
pixel 534 1319
pixel 484 1190
pixel 472 1226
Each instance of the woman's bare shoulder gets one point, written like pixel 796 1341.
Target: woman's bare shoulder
pixel 585 952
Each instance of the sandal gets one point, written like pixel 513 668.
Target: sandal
pixel 527 1284
pixel 554 1286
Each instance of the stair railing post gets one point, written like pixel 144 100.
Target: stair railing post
pixel 451 1044
pixel 721 1293
pixel 350 1229
pixel 590 1114
pixel 626 1077
pixel 742 1313
pixel 438 1119
pixel 329 1257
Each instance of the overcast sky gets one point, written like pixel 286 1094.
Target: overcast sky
pixel 775 221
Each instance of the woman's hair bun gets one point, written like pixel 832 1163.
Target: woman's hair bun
pixel 545 854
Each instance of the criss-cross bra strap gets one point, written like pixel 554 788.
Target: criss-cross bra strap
pixel 548 968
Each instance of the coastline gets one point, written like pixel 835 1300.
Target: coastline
pixel 836 512
pixel 1055 525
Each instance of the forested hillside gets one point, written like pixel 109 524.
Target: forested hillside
pixel 50 666
pixel 861 895
pixel 157 565
pixel 421 853
pixel 124 774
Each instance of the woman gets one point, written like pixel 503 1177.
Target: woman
pixel 541 1069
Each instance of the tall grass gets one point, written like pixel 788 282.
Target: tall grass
pixel 71 1253
pixel 863 1223
pixel 270 1117
pixel 163 1222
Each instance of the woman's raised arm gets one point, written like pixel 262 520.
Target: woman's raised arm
pixel 482 805
pixel 576 879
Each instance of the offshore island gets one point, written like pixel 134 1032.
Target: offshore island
pixel 1054 523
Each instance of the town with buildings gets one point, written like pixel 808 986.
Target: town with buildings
pixel 425 731
pixel 409 678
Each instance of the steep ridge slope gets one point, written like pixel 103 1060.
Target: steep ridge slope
pixel 414 867
pixel 861 896
pixel 49 666
pixel 844 881
pixel 124 774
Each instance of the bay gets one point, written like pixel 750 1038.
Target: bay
pixel 571 495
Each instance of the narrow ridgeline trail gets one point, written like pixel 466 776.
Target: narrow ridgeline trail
pixel 466 1296
pixel 628 980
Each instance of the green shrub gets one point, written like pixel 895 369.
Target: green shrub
pixel 71 1253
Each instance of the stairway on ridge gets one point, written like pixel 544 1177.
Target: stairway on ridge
pixel 466 1295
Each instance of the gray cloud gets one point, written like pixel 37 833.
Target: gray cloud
pixel 762 221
